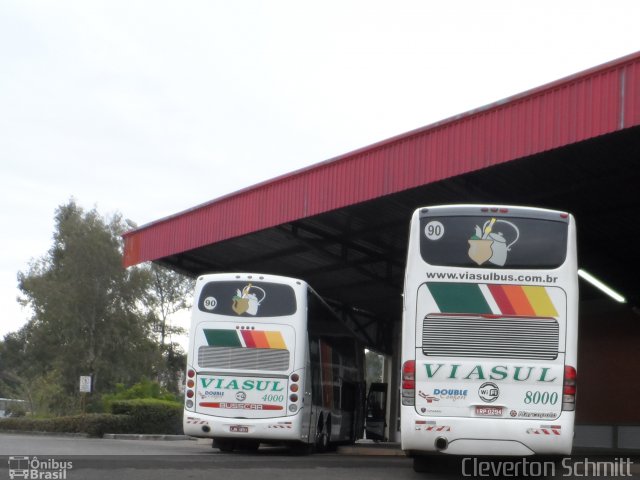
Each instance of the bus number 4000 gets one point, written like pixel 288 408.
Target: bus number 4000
pixel 272 398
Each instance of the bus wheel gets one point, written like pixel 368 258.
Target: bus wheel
pixel 225 445
pixel 247 445
pixel 322 441
pixel 322 436
pixel 420 464
pixel 301 449
pixel 327 430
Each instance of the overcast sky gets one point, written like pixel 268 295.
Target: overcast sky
pixel 151 107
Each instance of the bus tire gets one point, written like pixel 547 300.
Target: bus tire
pixel 247 445
pixel 327 429
pixel 324 441
pixel 322 437
pixel 301 449
pixel 420 463
pixel 225 445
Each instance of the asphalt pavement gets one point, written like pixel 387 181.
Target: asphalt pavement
pixel 169 457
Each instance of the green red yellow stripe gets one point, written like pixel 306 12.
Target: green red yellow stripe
pixel 245 338
pixel 459 297
pixel 541 301
pixel 222 338
pixel 529 301
pixel 519 300
pixel 275 340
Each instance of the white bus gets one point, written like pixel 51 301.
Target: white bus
pixel 490 332
pixel 269 361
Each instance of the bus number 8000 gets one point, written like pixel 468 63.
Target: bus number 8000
pixel 540 398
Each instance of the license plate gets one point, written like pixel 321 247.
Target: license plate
pixel 489 411
pixel 238 429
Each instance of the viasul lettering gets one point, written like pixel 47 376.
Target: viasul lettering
pixel 431 373
pixel 476 372
pixel 517 373
pixel 499 372
pixel 237 384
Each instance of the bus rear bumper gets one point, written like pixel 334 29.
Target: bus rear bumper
pixel 281 429
pixel 481 436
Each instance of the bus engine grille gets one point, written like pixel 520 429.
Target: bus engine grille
pixel 233 358
pixel 504 337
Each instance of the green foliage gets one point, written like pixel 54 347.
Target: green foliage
pixel 151 415
pixel 48 395
pixel 90 316
pixel 16 410
pixel 86 315
pixel 143 389
pixel 94 425
pixel 86 318
pixel 170 293
pixel 139 415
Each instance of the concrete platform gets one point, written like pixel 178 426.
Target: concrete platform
pixel 368 447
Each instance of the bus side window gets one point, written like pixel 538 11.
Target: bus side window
pixel 316 387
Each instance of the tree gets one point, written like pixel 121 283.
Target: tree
pixel 170 293
pixel 88 317
pixel 14 369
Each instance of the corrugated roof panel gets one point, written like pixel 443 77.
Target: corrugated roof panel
pixel 593 103
pixel 632 94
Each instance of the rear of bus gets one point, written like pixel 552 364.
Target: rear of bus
pixel 489 332
pixel 247 352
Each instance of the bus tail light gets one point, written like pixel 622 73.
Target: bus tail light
pixel 569 389
pixel 294 387
pixel 189 391
pixel 409 383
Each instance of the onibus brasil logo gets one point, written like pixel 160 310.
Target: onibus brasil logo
pixel 487 245
pixel 34 468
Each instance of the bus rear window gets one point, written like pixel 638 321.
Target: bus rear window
pixel 493 242
pixel 247 299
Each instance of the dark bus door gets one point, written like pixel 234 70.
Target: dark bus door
pixel 376 411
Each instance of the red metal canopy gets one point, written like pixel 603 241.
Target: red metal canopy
pixel 598 101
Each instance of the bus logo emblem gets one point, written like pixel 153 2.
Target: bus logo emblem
pixel 488 392
pixel 248 300
pixel 486 245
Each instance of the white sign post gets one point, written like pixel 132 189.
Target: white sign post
pixel 85 384
pixel 85 388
